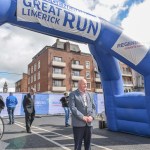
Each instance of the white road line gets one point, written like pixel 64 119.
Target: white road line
pixel 105 148
pixel 34 127
pixel 60 145
pixel 68 144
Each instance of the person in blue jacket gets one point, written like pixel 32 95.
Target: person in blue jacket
pixel 11 102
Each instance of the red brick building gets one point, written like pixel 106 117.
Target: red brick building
pixel 58 68
pixel 22 85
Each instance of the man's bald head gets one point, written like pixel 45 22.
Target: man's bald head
pixel 82 85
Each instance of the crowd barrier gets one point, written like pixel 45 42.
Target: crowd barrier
pixel 49 104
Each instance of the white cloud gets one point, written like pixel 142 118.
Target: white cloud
pixel 137 24
pixel 103 8
pixel 18 46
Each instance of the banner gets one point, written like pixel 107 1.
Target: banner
pixel 55 106
pixel 48 104
pixel 57 15
pixel 42 103
pixel 100 103
pixel 130 49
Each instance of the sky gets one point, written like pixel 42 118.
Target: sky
pixel 18 46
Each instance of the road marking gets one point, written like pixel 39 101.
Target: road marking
pixel 35 128
pixel 105 148
pixel 60 145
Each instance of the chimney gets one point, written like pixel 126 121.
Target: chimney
pixel 67 46
pixel 57 40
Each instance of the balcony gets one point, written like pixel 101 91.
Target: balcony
pixel 95 69
pixel 58 63
pixel 125 73
pixel 76 66
pixel 99 90
pixel 97 80
pixel 58 88
pixel 89 89
pixel 58 76
pixel 74 88
pixel 128 84
pixel 77 78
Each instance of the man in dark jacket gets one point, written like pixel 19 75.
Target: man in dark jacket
pixel 11 102
pixel 28 105
pixel 2 104
pixel 65 100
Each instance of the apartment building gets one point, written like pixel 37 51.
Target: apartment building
pixel 138 81
pixel 22 85
pixel 58 68
pixel 127 76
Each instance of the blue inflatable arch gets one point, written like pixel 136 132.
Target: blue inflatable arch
pixel 125 112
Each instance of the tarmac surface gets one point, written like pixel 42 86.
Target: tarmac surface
pixel 49 133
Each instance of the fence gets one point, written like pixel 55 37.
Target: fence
pixel 49 104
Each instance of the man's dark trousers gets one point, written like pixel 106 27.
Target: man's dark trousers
pixel 82 133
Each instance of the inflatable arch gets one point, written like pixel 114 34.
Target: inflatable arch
pixel 128 112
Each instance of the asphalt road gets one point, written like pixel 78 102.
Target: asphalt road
pixel 49 133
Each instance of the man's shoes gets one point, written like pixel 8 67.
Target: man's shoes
pixel 67 125
pixel 29 131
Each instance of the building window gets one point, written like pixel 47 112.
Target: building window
pixel 59 59
pixel 76 73
pixel 76 62
pixel 74 84
pixel 39 64
pixel 31 69
pixel 97 75
pixel 57 70
pixel 28 89
pixel 88 85
pixel 58 83
pixel 29 80
pixel 128 70
pixel 88 75
pixel 35 67
pixel 38 75
pixel 28 71
pixel 38 87
pixel 125 90
pixel 35 87
pixel 34 77
pixel 87 65
pixel 98 86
